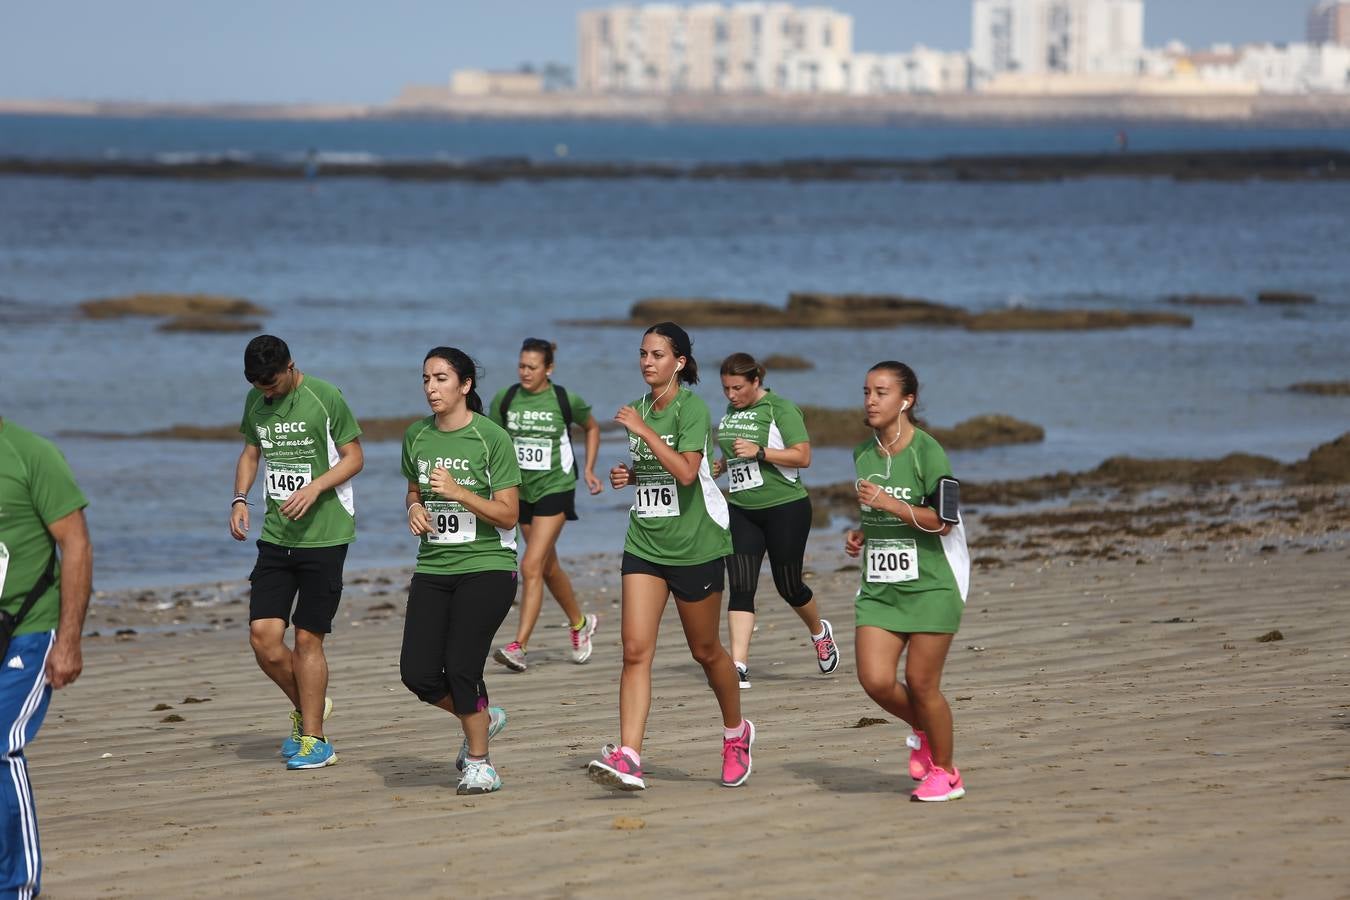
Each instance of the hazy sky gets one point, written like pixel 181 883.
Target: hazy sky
pixel 363 51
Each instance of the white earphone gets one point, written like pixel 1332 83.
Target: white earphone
pixel 904 406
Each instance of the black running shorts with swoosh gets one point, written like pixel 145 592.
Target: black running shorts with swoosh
pixel 688 583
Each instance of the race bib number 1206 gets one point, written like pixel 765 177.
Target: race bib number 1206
pixel 892 561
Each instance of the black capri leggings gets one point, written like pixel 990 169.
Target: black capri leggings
pixel 783 531
pixel 448 633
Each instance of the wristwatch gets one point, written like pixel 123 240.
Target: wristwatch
pixel 759 454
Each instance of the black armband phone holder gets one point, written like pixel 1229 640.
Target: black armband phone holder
pixel 946 500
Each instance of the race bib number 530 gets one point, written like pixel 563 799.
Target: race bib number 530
pixel 892 561
pixel 534 454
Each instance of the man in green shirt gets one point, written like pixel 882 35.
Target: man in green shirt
pixel 41 509
pixel 302 429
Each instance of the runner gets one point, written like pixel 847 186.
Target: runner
pixel 463 502
pixel 764 443
pixel 537 414
pixel 43 599
pixel 677 541
pixel 916 573
pixel 301 427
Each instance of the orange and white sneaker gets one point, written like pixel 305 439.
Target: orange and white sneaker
pixel 920 755
pixel 939 785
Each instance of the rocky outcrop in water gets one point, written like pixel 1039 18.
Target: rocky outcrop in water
pixel 812 310
pixel 169 305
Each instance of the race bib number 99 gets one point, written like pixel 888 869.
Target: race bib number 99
pixel 656 499
pixel 284 479
pixel 744 474
pixel 451 523
pixel 534 454
pixel 892 561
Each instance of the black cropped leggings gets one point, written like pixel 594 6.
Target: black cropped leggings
pixel 782 531
pixel 448 633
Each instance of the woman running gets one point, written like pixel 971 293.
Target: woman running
pixel 677 540
pixel 764 444
pixel 537 413
pixel 916 572
pixel 463 502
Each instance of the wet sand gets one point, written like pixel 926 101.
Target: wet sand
pixel 1121 729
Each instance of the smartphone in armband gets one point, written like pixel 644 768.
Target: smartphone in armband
pixel 946 500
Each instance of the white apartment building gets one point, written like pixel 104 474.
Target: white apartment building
pixel 1296 68
pixel 713 48
pixel 1047 37
pixel 920 71
pixel 1329 23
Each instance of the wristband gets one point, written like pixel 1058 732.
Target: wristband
pixel 416 503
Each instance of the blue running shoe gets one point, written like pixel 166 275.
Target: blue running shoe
pixel 496 722
pixel 291 745
pixel 314 754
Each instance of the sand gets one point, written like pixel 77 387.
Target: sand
pixel 1121 730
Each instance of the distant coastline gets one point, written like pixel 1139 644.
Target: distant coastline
pixel 1313 110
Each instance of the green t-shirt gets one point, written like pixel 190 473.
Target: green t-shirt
pixel 542 446
pixel 299 434
pixel 774 424
pixel 900 560
pixel 481 458
pixel 36 489
pixel 672 524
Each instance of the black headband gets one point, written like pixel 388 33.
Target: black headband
pixel 678 337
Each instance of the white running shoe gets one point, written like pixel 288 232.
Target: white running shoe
pixel 581 639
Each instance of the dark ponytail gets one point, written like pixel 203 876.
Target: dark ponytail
pixel 909 384
pixel 682 345
pixel 465 368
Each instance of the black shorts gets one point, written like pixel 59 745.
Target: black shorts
pixel 282 573
pixel 687 583
pixel 550 505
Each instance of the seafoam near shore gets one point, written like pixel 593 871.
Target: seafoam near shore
pixel 1122 730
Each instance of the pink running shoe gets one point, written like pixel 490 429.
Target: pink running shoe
pixel 920 755
pixel 736 756
pixel 616 769
pixel 940 785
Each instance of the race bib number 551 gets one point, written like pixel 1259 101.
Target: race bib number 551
pixel 892 561
pixel 744 474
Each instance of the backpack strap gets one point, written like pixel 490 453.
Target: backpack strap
pixel 48 577
pixel 506 400
pixel 565 405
